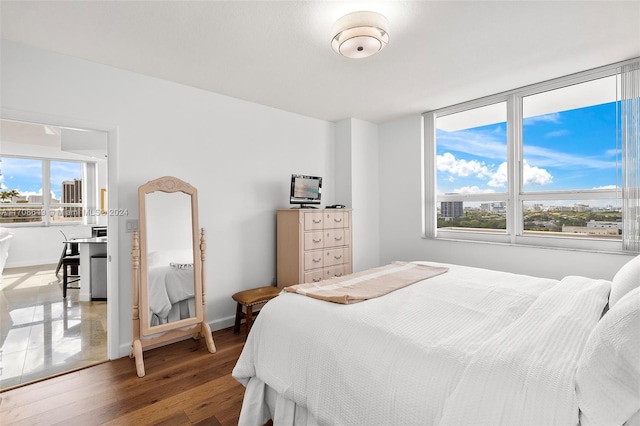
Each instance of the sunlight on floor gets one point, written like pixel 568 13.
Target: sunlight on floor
pixel 41 334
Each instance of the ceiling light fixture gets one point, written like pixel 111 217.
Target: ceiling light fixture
pixel 360 34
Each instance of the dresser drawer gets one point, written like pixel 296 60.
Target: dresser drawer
pixel 313 260
pixel 334 256
pixel 313 221
pixel 335 219
pixel 334 238
pixel 333 271
pixel 314 276
pixel 314 240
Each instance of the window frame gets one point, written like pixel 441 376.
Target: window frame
pixel 515 195
pixel 47 205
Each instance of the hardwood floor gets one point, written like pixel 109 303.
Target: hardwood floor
pixel 184 385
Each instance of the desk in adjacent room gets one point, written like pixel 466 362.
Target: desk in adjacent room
pixel 89 248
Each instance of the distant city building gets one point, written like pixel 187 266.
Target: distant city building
pixel 36 199
pixel 499 207
pixel 590 230
pixel 603 224
pixel 72 193
pixel 451 209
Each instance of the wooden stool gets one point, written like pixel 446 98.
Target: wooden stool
pixel 249 298
pixel 72 262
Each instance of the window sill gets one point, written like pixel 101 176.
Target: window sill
pixel 543 242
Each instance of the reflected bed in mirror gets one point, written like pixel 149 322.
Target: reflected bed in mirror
pixel 171 286
pixel 168 268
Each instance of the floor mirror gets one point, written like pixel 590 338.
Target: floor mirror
pixel 168 254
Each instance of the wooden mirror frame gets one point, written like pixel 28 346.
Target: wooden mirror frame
pixel 144 335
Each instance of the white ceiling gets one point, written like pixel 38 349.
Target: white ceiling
pixel 278 53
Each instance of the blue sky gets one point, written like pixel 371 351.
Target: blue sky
pixel 25 175
pixel 574 149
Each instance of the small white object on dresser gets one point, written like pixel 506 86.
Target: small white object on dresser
pixel 313 245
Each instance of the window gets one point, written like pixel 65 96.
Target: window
pixel 42 191
pixel 539 165
pixel 471 158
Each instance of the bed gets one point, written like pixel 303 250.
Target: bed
pixel 171 286
pixel 468 346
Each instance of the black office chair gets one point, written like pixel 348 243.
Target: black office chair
pixel 70 264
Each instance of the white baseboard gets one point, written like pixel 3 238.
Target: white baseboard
pixel 218 324
pixel 29 263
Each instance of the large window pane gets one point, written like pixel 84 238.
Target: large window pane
pixel 21 190
pixel 471 151
pixel 569 138
pixel 471 161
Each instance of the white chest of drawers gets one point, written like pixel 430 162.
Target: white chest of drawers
pixel 313 245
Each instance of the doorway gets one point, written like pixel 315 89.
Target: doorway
pixel 43 334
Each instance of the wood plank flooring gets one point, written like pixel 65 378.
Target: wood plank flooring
pixel 184 385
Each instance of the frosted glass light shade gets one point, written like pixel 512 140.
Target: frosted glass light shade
pixel 360 34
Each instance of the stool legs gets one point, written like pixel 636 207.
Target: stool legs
pixel 65 277
pixel 236 327
pixel 248 316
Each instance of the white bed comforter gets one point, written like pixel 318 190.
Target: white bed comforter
pixel 168 285
pixel 471 346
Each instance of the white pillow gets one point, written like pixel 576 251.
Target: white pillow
pixel 166 257
pixel 625 280
pixel 608 374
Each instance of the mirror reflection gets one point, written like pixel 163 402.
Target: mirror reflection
pixel 170 257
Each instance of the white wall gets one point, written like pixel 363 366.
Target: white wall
pixel 238 154
pixel 36 245
pixel 343 167
pixel 365 194
pixel 401 221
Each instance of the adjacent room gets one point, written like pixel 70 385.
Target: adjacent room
pixel 53 302
pixel 488 143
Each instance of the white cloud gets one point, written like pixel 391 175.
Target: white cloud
pixel 533 175
pixel 499 178
pixel 606 187
pixel 447 162
pixel 472 190
pixel 546 118
pixel 488 144
pixel 557 133
pixel 549 158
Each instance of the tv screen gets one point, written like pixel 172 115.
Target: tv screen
pixel 306 189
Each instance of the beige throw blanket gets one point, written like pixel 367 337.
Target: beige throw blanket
pixel 367 284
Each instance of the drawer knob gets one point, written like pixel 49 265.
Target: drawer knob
pixel 317 260
pixel 338 238
pixel 337 220
pixel 317 241
pixel 337 257
pixel 317 220
pixel 316 280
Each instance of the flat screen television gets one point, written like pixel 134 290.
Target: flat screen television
pixel 305 190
